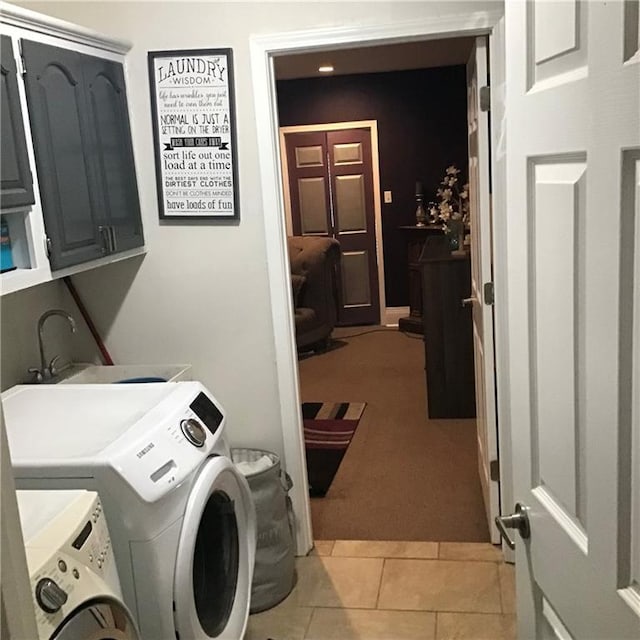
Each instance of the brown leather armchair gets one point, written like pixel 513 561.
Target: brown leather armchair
pixel 314 264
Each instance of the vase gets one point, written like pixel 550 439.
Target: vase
pixel 421 213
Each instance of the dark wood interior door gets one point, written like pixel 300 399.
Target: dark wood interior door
pixel 331 189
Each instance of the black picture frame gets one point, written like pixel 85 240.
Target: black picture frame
pixel 194 134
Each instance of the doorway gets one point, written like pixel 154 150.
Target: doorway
pixel 422 140
pixel 264 49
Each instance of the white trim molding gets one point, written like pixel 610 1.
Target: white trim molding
pixel 263 49
pixel 392 315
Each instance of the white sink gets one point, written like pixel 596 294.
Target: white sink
pixel 100 374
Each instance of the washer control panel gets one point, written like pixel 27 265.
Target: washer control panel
pixel 69 558
pixel 170 440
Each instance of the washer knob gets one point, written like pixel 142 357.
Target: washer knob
pixel 194 432
pixel 49 595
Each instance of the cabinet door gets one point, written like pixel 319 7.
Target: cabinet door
pixel 16 186
pixel 62 142
pixel 112 152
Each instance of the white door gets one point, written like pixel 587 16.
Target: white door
pixel 480 209
pixel 573 212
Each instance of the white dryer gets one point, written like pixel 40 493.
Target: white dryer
pixel 181 516
pixel 74 580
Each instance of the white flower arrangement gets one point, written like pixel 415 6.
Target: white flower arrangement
pixel 453 208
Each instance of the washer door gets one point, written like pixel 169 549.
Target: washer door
pixel 216 552
pixel 98 619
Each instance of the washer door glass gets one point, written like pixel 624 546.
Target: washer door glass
pixel 98 619
pixel 215 563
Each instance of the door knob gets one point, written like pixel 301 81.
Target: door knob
pixel 518 520
pixel 468 301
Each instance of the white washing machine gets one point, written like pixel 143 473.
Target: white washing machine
pixel 181 516
pixel 74 580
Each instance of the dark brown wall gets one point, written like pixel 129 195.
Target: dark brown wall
pixel 422 129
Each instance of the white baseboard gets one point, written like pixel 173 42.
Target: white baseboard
pixel 393 314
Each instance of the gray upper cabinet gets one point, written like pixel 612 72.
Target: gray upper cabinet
pixel 16 186
pixel 80 129
pixel 112 151
pixel 60 129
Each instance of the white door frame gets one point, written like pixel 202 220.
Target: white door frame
pixel 372 126
pixel 263 49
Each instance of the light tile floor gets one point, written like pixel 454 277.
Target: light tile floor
pixel 362 590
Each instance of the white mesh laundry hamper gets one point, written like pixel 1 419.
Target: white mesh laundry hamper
pixel 274 571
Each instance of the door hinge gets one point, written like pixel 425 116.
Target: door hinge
pixel 47 246
pixel 485 98
pixel 494 471
pixel 23 65
pixel 488 293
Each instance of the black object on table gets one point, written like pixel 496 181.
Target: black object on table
pixel 416 238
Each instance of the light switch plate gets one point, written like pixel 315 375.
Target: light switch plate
pixel 387 197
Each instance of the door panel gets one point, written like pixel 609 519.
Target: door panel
pixel 309 184
pixel 313 156
pixel 629 574
pixel 113 153
pixel 481 273
pixel 17 186
pixel 331 192
pixel 355 275
pixel 348 153
pixel 57 108
pixel 313 206
pixel 556 309
pixel 350 203
pixel 573 95
pixel 354 226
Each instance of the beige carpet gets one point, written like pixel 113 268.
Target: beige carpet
pixel 404 477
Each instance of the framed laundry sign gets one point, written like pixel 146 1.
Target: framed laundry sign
pixel 194 132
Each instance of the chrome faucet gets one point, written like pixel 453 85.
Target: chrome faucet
pixel 48 371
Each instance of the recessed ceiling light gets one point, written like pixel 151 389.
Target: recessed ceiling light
pixel 325 68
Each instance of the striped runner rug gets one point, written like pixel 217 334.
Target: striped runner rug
pixel 328 429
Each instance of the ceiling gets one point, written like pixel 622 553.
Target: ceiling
pixel 391 57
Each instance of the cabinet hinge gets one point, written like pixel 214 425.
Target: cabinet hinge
pixel 23 65
pixel 485 98
pixel 494 471
pixel 489 297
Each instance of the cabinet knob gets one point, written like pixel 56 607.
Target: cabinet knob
pixel 114 240
pixel 104 232
pixel 468 302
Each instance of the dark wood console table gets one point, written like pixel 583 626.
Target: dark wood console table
pixel 417 236
pixel 448 335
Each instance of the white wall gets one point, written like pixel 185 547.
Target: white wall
pixel 201 294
